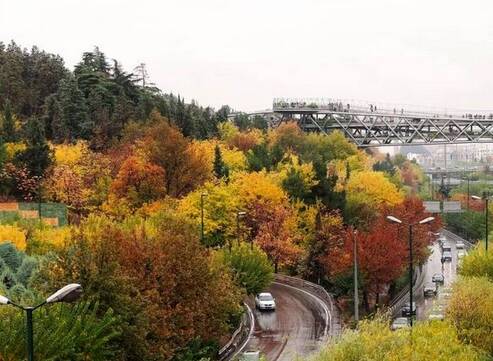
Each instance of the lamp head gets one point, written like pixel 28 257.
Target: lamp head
pixel 427 220
pixel 394 219
pixel 69 293
pixel 4 300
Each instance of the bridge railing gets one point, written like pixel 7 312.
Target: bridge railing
pixel 346 105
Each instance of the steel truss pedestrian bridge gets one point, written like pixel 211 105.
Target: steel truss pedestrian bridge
pixel 379 125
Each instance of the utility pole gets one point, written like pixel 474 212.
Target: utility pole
pixel 487 219
pixel 356 292
pixel 202 196
pixel 411 274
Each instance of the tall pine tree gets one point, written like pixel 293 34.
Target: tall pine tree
pixel 8 125
pixel 73 122
pixel 221 170
pixel 37 156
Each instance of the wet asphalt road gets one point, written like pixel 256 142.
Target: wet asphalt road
pixel 434 265
pixel 296 328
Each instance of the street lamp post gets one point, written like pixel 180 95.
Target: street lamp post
pixel 239 215
pixel 202 196
pixel 410 227
pixel 486 197
pixel 69 293
pixel 356 295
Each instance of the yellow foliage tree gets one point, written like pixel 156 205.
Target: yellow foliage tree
pixel 221 202
pixel 258 186
pixel 232 157
pixel 374 188
pixel 357 162
pixel 291 163
pixel 14 148
pixel 367 193
pixel 13 234
pixel 227 131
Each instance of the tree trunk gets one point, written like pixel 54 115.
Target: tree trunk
pixel 365 301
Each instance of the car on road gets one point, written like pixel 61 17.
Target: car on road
pixel 399 322
pixel 406 310
pixel 430 289
pixel 446 247
pixel 436 315
pixel 438 278
pixel 265 302
pixel 445 293
pixel 446 256
pixel 460 245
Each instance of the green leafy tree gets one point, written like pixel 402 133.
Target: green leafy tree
pixel 250 265
pixel 385 166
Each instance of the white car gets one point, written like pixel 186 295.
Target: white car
pixel 265 302
pixel 461 254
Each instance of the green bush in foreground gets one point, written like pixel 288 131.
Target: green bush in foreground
pixel 471 311
pixel 478 263
pixel 437 341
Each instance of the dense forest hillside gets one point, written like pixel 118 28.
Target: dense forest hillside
pixel 175 213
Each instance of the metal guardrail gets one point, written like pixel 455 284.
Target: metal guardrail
pixel 239 338
pixel 320 292
pixel 455 237
pixel 403 296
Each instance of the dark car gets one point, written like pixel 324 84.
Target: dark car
pixel 438 278
pixel 446 256
pixel 406 310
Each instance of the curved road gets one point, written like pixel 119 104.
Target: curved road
pixel 297 328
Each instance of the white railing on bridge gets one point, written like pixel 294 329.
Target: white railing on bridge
pixel 352 105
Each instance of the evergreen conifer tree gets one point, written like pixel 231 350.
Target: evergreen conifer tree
pixel 8 125
pixel 74 122
pixel 220 168
pixel 37 156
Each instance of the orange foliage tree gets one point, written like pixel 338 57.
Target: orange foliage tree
pixel 273 230
pixel 139 182
pixel 246 140
pixel 185 167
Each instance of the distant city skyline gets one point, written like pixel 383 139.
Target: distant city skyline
pixel 246 53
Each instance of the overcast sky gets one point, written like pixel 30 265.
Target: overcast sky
pixel 244 53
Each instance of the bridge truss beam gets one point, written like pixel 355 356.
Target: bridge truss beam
pixel 374 129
